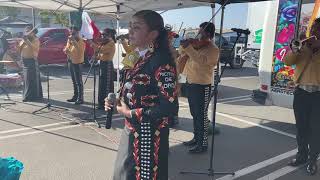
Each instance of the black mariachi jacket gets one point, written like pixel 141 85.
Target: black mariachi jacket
pixel 149 89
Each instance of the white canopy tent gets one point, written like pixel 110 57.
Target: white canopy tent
pixel 107 7
pixel 118 9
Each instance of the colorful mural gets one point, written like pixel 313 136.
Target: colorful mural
pixel 282 75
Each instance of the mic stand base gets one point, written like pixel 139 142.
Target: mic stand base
pixel 49 107
pixel 3 90
pixel 94 118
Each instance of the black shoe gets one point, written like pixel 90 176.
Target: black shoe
pixel 192 142
pixel 198 149
pixel 174 122
pixel 73 99
pixel 100 107
pixel 299 160
pixel 312 167
pixel 79 101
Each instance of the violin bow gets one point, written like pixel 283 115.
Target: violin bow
pixel 214 15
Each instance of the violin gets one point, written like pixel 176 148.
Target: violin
pixel 73 37
pixel 122 37
pixel 196 44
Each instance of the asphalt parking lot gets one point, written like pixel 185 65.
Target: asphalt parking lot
pixel 256 141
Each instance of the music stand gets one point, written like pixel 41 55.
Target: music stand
pixel 48 106
pixel 3 90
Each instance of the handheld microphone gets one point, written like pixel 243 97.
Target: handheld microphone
pixel 122 36
pixel 242 31
pixel 111 100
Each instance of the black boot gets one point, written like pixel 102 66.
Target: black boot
pixel 192 142
pixel 301 158
pixel 73 99
pixel 79 99
pixel 312 166
pixel 80 96
pixel 75 94
pixel 198 149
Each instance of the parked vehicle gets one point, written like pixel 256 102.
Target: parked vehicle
pixel 52 42
pixel 227 55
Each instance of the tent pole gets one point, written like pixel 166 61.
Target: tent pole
pixel 118 48
pixel 213 8
pixel 33 17
pixel 296 34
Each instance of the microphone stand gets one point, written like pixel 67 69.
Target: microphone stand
pixel 93 66
pixel 49 106
pixel 211 172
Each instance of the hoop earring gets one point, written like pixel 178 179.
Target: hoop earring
pixel 151 47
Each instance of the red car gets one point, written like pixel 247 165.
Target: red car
pixel 52 42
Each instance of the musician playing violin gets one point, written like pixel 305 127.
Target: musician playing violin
pixel 75 51
pixel 29 49
pixel 201 57
pixel 306 103
pixel 104 52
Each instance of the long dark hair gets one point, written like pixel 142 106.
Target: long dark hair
pixel 155 23
pixel 111 33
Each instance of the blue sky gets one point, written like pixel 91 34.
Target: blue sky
pixel 235 16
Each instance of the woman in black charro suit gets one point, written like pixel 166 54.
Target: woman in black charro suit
pixel 149 94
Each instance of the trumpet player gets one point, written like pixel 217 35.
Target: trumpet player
pixel 305 55
pixel 29 49
pixel 75 51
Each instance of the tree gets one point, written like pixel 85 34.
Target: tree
pixel 61 18
pixel 44 18
pixel 9 11
pixel 58 17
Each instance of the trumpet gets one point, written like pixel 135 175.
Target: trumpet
pixel 296 45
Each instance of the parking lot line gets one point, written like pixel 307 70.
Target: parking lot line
pixel 236 97
pixel 259 165
pixel 38 132
pixel 281 172
pixel 35 127
pixel 19 96
pixel 237 78
pixel 235 100
pixel 258 125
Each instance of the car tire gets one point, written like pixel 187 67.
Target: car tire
pixel 236 66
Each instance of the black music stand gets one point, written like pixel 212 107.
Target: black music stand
pixel 48 106
pixel 3 90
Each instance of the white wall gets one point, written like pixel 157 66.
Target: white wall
pixel 257 12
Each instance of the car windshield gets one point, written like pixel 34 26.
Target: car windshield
pixel 41 32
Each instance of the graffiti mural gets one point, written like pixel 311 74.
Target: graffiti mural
pixel 282 75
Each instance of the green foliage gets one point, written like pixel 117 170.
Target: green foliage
pixel 58 17
pixel 45 16
pixel 61 18
pixel 9 11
